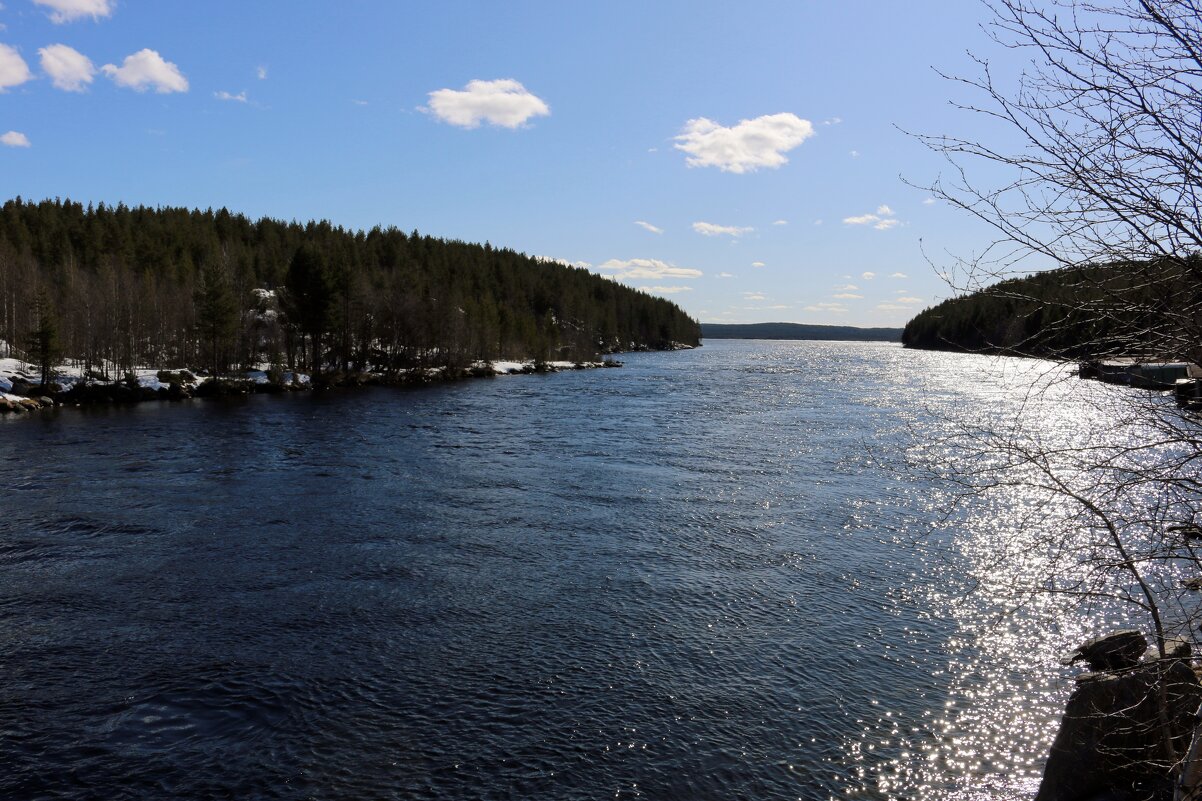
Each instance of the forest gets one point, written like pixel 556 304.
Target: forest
pixel 113 288
pixel 1146 309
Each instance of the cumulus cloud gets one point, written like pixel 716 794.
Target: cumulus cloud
pixel 846 288
pixel 261 73
pixel 582 264
pixel 833 308
pixel 833 121
pixel 881 220
pixel 649 227
pixel 745 147
pixel 505 103
pixel 891 307
pixel 855 154
pixel 238 98
pixel 929 201
pixel 709 229
pixel 146 69
pixel 70 10
pixel 868 276
pixel 757 264
pixel 756 296
pixel 725 275
pixel 13 69
pixel 847 296
pixel 666 290
pixel 645 269
pixel 899 275
pixel 69 69
pixel 14 139
pixel 780 222
pixel 908 300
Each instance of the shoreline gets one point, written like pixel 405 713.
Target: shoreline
pixel 20 396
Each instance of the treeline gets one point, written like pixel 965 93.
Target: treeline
pixel 846 333
pixel 1151 310
pixel 117 287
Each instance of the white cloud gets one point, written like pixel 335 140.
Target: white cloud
pixel 881 220
pixel 745 147
pixel 757 264
pixel 649 227
pixel 14 139
pixel 848 296
pixel 666 290
pixel 868 276
pixel 70 10
pixel 359 102
pixel 780 222
pixel 643 269
pixel 261 73
pixel 891 307
pixel 69 69
pixel 238 98
pixel 817 222
pixel 908 300
pixel 929 201
pixel 725 275
pixel 833 308
pixel 146 69
pixel 504 102
pixel 833 121
pixel 582 264
pixel 847 288
pixel 13 69
pixel 899 275
pixel 855 154
pixel 779 306
pixel 709 229
pixel 757 296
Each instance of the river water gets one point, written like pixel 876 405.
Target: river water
pixel 705 575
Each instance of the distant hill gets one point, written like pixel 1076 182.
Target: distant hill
pixel 798 331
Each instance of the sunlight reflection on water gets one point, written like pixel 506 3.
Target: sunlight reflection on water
pixel 714 574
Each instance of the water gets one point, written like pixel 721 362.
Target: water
pixel 701 576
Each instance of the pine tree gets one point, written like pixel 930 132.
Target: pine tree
pixel 44 346
pixel 216 312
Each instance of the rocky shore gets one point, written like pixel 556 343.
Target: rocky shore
pixel 21 391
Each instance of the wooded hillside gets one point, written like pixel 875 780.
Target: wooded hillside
pixel 119 287
pixel 1148 310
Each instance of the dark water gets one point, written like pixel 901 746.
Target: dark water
pixel 688 578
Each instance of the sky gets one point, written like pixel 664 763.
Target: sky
pixel 752 162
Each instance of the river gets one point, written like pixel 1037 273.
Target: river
pixel 705 575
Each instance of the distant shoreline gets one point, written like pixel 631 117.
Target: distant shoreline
pixel 799 331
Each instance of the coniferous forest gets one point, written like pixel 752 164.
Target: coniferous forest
pixel 1146 309
pixel 117 287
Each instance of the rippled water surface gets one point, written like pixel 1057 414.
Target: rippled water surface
pixel 695 577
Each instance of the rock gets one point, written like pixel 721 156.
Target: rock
pixel 5 406
pixel 30 404
pixel 46 402
pixel 1194 583
pixel 1122 649
pixel 1111 742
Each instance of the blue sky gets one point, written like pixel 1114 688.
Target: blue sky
pixel 744 159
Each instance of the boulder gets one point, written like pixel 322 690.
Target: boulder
pixel 1115 651
pixel 1125 727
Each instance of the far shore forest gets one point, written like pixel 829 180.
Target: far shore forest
pixel 114 288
